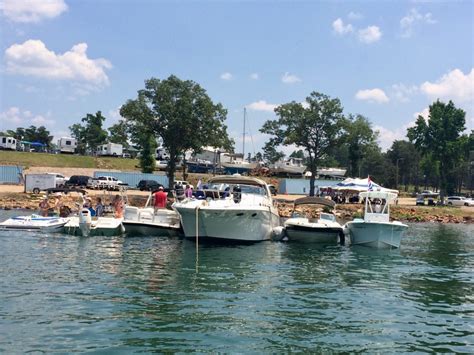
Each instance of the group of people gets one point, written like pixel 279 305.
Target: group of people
pixel 97 210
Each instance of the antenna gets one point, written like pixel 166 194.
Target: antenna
pixel 243 140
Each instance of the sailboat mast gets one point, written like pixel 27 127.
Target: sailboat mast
pixel 243 140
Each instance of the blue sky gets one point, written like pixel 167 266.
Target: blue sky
pixel 385 60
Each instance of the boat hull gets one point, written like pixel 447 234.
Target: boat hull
pixel 305 234
pixel 149 229
pixel 380 235
pixel 230 224
pixel 34 223
pixel 103 226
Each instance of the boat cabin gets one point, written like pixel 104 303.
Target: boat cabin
pixel 377 205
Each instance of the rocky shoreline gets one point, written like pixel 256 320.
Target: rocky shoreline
pixel 344 212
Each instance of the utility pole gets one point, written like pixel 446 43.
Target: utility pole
pixel 243 135
pixel 396 177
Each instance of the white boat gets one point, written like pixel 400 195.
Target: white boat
pixel 375 229
pixel 145 221
pixel 34 223
pixel 235 208
pixel 290 166
pixel 329 172
pixel 85 225
pixel 324 229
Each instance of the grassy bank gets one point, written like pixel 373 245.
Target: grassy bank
pixel 27 159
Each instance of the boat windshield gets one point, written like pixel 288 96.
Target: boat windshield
pixel 248 189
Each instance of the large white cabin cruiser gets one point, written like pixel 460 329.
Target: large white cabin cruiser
pixel 34 223
pixel 146 221
pixel 324 229
pixel 235 208
pixel 376 230
pixel 291 166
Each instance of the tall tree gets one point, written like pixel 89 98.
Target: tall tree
pixel 270 154
pixel 94 135
pixel 78 131
pixel 313 127
pixel 406 160
pixel 118 133
pixel 440 137
pixel 182 114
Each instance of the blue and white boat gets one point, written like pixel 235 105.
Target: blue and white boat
pixel 375 229
pixel 34 223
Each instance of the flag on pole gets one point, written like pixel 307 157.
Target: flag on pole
pixel 370 185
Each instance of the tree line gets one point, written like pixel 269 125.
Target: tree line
pixel 438 151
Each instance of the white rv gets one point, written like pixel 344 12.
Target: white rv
pixel 7 142
pixel 67 145
pixel 112 149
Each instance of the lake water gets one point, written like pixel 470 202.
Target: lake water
pixel 61 293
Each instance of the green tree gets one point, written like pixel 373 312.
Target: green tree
pixel 440 137
pixel 181 113
pixel 314 128
pixel 78 131
pixel 270 154
pixel 118 133
pixel 94 135
pixel 406 160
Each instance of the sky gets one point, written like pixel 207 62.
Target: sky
pixel 386 60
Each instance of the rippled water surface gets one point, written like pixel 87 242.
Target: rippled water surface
pixel 61 293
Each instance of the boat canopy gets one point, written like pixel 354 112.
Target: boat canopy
pixel 387 195
pixel 237 180
pixel 311 200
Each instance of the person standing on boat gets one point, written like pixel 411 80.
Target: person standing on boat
pixel 188 192
pixel 160 198
pixel 118 206
pixel 44 207
pixel 99 207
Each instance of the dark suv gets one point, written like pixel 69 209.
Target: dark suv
pixel 148 185
pixel 80 181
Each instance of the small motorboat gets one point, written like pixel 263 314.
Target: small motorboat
pixel 145 221
pixel 85 225
pixel 34 223
pixel 376 230
pixel 324 229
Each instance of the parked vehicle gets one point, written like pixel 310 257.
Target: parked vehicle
pixel 107 183
pixel 429 193
pixel 183 183
pixel 7 142
pixel 80 181
pixel 420 200
pixel 459 201
pixel 111 149
pixel 148 185
pixel 39 182
pixel 60 179
pixel 67 145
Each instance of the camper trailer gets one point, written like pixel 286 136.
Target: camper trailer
pixel 7 142
pixel 112 149
pixel 67 145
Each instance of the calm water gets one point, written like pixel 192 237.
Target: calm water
pixel 61 293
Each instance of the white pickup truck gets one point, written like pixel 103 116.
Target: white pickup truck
pixel 107 183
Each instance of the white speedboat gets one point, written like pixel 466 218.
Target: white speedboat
pixel 291 166
pixel 235 208
pixel 85 225
pixel 375 229
pixel 324 229
pixel 145 221
pixel 34 223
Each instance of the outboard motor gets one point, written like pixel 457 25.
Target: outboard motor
pixel 237 194
pixel 179 190
pixel 85 222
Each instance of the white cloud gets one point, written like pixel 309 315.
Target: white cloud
pixel 354 15
pixel 32 11
pixel 387 136
pixel 454 85
pixel 32 58
pixel 288 78
pixel 262 105
pixel 412 19
pixel 226 76
pixel 370 34
pixel 254 76
pixel 425 113
pixel 404 93
pixel 341 29
pixel 372 95
pixel 15 117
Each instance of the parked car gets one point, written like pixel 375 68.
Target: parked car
pixel 79 181
pixel 459 201
pixel 107 183
pixel 420 200
pixel 148 185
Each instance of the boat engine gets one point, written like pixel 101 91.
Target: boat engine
pixel 237 194
pixel 85 222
